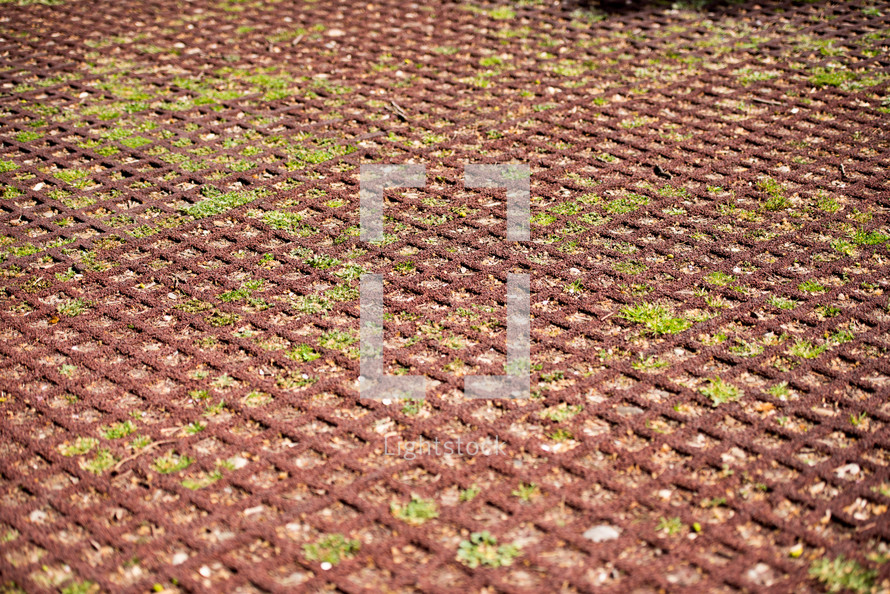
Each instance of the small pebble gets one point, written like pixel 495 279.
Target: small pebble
pixel 326 566
pixel 760 574
pixel 205 571
pixel 847 470
pixel 602 533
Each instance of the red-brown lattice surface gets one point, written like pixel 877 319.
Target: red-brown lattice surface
pixel 179 399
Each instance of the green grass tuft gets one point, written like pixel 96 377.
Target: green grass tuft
pixel 118 430
pixel 101 461
pixel 777 199
pixel 332 549
pixel 72 307
pixel 218 202
pixel 806 349
pixel 842 574
pixel 811 286
pixel 626 204
pixel 171 462
pixel 303 352
pixel 782 302
pixel 415 512
pixel 81 445
pixel 657 318
pixel 720 392
pixel 483 549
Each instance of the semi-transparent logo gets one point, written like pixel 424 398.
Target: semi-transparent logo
pixel 516 382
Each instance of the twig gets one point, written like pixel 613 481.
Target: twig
pixel 399 111
pixel 140 452
pixel 368 136
pixel 768 101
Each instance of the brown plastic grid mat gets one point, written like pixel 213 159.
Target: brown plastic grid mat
pixel 180 273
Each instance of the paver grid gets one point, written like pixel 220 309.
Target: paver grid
pixel 653 137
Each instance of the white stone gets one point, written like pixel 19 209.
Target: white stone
pixel 179 558
pixel 326 566
pixel 602 533
pixel 761 574
pixel 847 470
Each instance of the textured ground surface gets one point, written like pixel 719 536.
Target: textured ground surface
pixel 179 303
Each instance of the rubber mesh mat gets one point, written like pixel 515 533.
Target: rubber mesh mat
pixel 180 245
